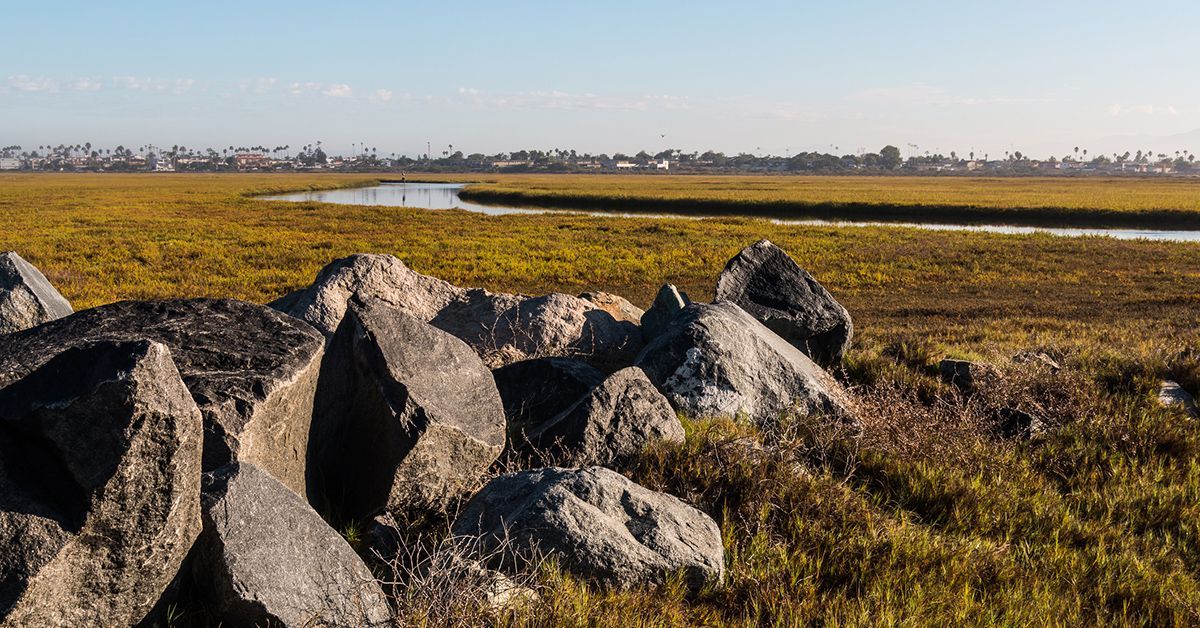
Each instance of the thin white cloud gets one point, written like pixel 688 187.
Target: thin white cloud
pixel 338 90
pixel 1116 110
pixel 924 94
pixel 568 101
pixel 26 83
pixel 257 85
pixel 85 85
pixel 382 95
pixel 177 86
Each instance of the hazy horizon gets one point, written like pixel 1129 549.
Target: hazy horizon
pixel 761 77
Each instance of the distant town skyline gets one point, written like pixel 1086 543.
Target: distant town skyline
pixel 756 77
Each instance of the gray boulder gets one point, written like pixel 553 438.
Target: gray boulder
pixel 367 277
pixel 501 328
pixel 99 486
pixel 252 371
pixel 966 375
pixel 408 417
pixel 619 307
pixel 609 425
pixel 26 297
pixel 597 523
pixel 766 282
pixel 667 303
pixel 1172 395
pixel 535 391
pixel 717 360
pixel 557 325
pixel 266 558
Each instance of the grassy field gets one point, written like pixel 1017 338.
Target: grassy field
pixel 1079 201
pixel 929 519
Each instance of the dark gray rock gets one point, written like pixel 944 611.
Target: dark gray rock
pixel 251 370
pixel 715 360
pixel 266 558
pixel 26 297
pixel 408 417
pixel 535 391
pixel 99 486
pixel 597 523
pixel 766 282
pixel 966 375
pixel 667 304
pixel 609 425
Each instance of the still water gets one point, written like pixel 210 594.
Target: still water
pixel 445 196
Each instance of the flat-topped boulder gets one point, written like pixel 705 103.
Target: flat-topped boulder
pixel 608 426
pixel 408 417
pixel 266 558
pixel 717 360
pixel 535 391
pixel 766 282
pixel 601 526
pixel 26 297
pixel 99 485
pixel 618 306
pixel 251 370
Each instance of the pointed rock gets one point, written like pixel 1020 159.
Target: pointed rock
pixel 715 360
pixel 408 417
pixel 667 303
pixel 99 486
pixel 766 282
pixel 266 558
pixel 26 297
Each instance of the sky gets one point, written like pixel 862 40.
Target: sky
pixel 757 77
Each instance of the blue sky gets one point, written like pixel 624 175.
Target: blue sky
pixel 605 76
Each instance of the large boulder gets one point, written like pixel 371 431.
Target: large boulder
pixel 535 391
pixel 367 277
pixel 609 425
pixel 597 523
pixel 667 303
pixel 501 328
pixel 408 417
pixel 766 282
pixel 26 297
pixel 558 325
pixel 99 485
pixel 266 558
pixel 716 359
pixel 252 371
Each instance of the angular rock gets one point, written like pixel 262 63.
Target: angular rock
pixel 715 360
pixel 597 523
pixel 251 370
pixel 26 297
pixel 609 425
pixel 266 558
pixel 1171 394
pixel 535 391
pixel 407 418
pixel 99 486
pixel 619 307
pixel 766 282
pixel 367 277
pixel 1039 358
pixel 966 375
pixel 667 303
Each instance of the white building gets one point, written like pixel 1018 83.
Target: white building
pixel 10 163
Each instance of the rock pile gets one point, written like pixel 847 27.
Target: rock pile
pixel 198 448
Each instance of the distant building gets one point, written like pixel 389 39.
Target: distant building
pixel 10 163
pixel 251 161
